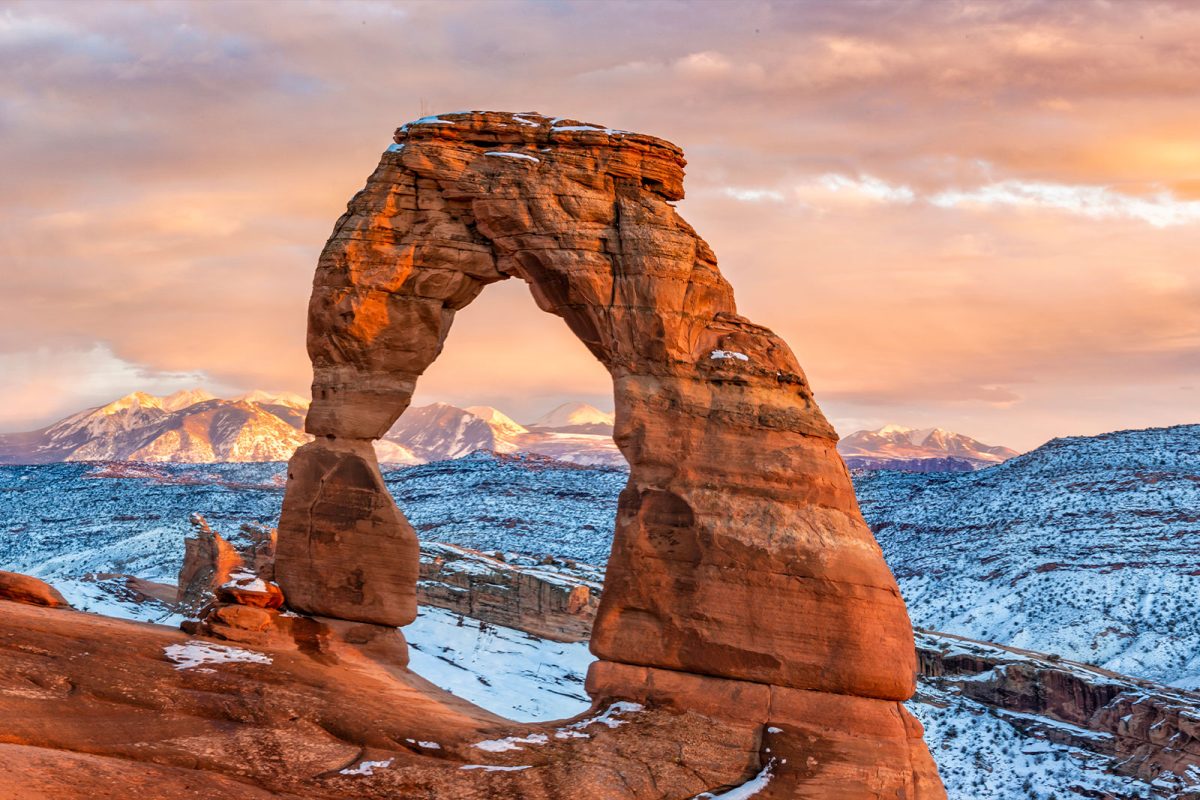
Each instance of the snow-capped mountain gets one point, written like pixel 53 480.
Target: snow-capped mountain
pixel 189 397
pixel 441 431
pixel 919 450
pixel 141 427
pixel 500 422
pixel 195 427
pixel 575 418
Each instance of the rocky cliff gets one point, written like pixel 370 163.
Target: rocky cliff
pixel 553 599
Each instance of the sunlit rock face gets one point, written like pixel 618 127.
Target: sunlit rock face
pixel 739 553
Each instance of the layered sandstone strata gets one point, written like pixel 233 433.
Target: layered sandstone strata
pixel 739 552
pixel 546 602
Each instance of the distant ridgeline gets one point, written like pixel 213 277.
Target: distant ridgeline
pixel 196 427
pixel 894 447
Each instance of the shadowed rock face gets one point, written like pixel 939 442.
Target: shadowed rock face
pixel 739 551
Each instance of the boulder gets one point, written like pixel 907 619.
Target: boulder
pixel 247 589
pixel 19 588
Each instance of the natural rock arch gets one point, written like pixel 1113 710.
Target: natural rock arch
pixel 743 580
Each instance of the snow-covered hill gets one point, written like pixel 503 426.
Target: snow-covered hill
pixel 924 450
pixel 1088 547
pixel 64 521
pixel 73 524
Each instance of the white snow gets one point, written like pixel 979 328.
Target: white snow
pixel 197 653
pixel 246 581
pixel 496 768
pixel 426 745
pixel 608 717
pixel 505 154
pixel 721 354
pixel 395 148
pixel 748 789
pixel 366 767
pixel 505 671
pixel 433 119
pixel 511 742
pixel 1084 547
pixel 610 131
pixel 982 757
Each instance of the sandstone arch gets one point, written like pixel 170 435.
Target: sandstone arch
pixel 743 579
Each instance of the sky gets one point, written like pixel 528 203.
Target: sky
pixel 975 215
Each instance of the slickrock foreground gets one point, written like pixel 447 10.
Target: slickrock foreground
pixel 743 582
pixel 99 708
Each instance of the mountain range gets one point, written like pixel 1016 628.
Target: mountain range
pixel 896 447
pixel 195 427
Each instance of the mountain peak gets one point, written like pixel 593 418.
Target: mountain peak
pixel 260 397
pixel 573 414
pixel 131 400
pixel 892 428
pixel 899 447
pixel 186 397
pixel 496 418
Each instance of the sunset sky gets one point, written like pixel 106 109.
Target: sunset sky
pixel 982 216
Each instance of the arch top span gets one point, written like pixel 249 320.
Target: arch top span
pixel 580 212
pixel 740 558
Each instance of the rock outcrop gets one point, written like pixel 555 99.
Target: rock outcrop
pixel 550 601
pixel 20 588
pixel 740 558
pixel 93 708
pixel 208 561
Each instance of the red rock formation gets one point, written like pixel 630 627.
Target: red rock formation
pixel 24 589
pixel 739 551
pixel 344 549
pixel 208 561
pixel 544 602
pixel 93 708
